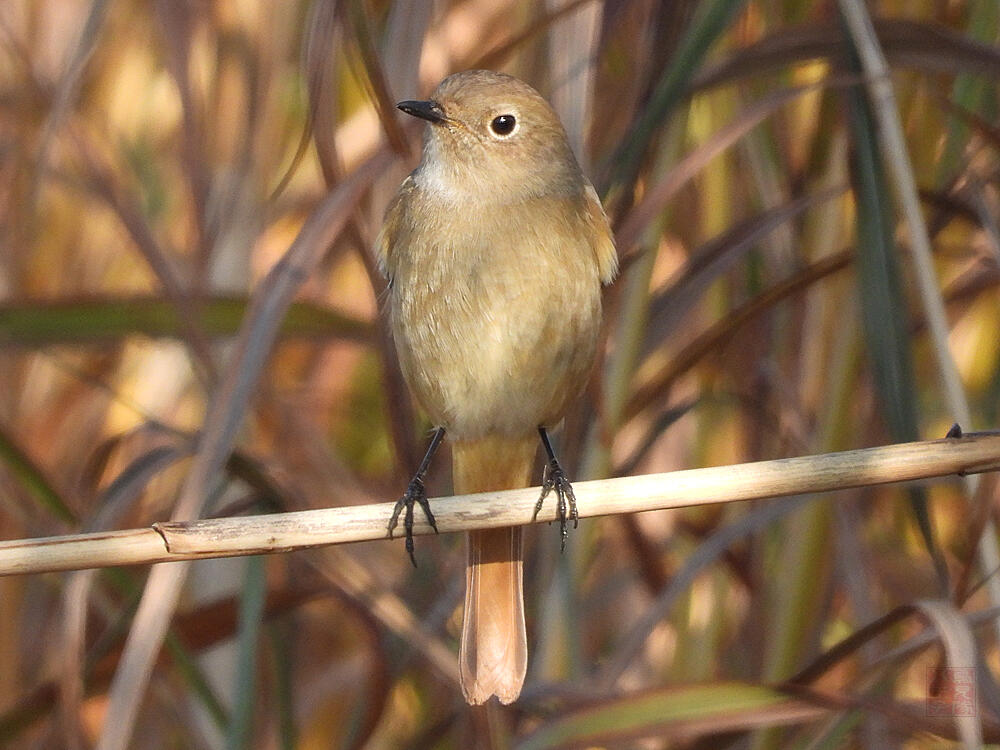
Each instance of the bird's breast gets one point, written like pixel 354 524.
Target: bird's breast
pixel 495 317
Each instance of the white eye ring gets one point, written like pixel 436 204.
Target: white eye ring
pixel 504 125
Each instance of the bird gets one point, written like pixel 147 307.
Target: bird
pixel 496 248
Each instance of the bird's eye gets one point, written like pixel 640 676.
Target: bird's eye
pixel 503 125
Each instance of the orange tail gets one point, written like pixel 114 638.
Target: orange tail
pixel 494 652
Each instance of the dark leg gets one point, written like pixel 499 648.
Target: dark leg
pixel 554 478
pixel 415 493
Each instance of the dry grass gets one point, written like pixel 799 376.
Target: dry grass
pixel 189 327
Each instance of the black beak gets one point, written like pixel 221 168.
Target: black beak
pixel 430 110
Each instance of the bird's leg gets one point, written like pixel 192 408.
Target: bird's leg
pixel 416 493
pixel 554 478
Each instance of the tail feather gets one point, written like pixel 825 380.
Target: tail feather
pixel 493 656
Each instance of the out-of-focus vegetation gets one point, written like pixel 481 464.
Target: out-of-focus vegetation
pixel 157 161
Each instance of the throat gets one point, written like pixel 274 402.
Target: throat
pixel 441 182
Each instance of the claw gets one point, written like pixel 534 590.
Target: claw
pixel 416 494
pixel 555 479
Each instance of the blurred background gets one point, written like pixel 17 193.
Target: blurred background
pixel 158 159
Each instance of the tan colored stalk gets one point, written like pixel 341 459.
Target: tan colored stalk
pixel 283 532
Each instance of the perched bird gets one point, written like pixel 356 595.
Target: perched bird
pixel 495 247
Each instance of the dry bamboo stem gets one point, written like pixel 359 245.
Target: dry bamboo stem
pixel 282 532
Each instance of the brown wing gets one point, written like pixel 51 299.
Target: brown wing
pixel 385 243
pixel 604 239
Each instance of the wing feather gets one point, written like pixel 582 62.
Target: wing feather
pixel 385 243
pixel 603 243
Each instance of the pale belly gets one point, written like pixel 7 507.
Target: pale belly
pixel 487 351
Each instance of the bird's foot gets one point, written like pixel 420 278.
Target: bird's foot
pixel 415 495
pixel 554 478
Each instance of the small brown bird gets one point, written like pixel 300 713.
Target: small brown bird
pixel 496 248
